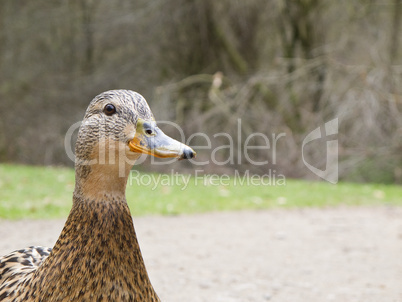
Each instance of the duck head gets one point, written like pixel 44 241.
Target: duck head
pixel 117 128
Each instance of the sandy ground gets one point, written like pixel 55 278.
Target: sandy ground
pixel 345 254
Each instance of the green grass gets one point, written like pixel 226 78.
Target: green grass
pixel 41 192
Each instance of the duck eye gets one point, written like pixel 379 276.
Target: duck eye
pixel 109 109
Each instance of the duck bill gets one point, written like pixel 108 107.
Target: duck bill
pixel 160 145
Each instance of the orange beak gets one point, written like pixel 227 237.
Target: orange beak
pixel 149 139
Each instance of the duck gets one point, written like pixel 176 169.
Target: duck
pixel 97 256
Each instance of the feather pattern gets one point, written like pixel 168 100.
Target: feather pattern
pixel 17 267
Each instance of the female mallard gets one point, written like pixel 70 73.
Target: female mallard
pixel 97 256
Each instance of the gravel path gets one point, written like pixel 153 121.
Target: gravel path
pixel 312 255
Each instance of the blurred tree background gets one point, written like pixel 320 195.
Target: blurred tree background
pixel 280 66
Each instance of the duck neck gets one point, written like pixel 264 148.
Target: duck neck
pixel 99 247
pixel 93 182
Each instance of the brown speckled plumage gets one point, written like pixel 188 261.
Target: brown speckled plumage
pixel 97 256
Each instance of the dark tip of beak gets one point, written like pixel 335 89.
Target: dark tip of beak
pixel 188 154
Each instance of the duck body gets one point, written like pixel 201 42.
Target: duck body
pixel 97 256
